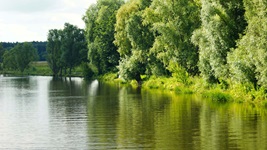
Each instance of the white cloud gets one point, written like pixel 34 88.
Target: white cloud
pixel 30 20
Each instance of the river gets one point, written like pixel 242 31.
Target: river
pixel 46 113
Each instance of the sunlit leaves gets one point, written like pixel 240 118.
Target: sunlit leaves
pixel 133 39
pixel 249 61
pixel 173 22
pixel 222 22
pixel 99 20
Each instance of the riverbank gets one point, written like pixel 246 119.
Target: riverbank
pixel 41 68
pixel 224 92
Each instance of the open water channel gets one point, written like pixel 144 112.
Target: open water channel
pixel 46 113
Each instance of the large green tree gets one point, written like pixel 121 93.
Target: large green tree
pixel 134 39
pixel 173 22
pixel 73 46
pixel 53 49
pixel 100 20
pixel 248 62
pixel 222 22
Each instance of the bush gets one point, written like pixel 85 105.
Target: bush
pixel 179 73
pixel 218 96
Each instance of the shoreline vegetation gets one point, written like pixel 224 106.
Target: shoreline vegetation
pixel 41 68
pixel 219 93
pixel 222 93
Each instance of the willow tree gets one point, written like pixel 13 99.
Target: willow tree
pixel 222 22
pixel 248 62
pixel 133 39
pixel 100 20
pixel 173 22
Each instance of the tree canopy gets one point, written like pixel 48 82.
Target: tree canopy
pixel 66 48
pixel 134 39
pixel 100 20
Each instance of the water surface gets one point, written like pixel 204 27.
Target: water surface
pixel 47 113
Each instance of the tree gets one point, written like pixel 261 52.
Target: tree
pixel 222 22
pixel 90 23
pixel 73 46
pixel 173 22
pixel 248 62
pixel 99 20
pixel 19 57
pixel 54 52
pixel 134 39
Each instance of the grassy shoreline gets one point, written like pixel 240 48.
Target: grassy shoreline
pixel 225 92
pixel 41 68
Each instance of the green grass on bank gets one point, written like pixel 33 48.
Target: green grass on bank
pixel 224 92
pixel 41 68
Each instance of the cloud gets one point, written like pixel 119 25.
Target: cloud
pixel 28 20
pixel 29 6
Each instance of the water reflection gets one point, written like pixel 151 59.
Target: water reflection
pixel 68 116
pixel 47 113
pixel 93 88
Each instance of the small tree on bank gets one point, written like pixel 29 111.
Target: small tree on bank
pixel 20 57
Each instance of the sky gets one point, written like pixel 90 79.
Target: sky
pixel 30 20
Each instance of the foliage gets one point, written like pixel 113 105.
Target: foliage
pixel 179 73
pixel 99 20
pixel 217 96
pixel 133 39
pixel 222 22
pixel 131 68
pixel 54 50
pixel 173 23
pixel 9 62
pixel 248 62
pixel 2 50
pixel 40 46
pixel 66 48
pixel 73 46
pixel 20 57
pixel 87 71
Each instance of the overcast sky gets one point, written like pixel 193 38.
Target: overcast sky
pixel 30 20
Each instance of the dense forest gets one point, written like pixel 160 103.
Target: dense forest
pixel 217 40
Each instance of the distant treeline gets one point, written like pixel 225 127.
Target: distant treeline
pixel 40 46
